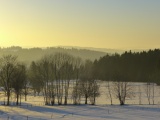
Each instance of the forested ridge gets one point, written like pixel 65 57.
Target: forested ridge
pixel 130 66
pixel 28 55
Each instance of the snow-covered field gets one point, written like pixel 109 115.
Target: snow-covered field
pixel 34 109
pixel 82 112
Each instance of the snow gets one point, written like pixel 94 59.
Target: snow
pixel 34 109
pixel 81 112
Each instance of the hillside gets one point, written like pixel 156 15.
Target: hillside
pixel 29 54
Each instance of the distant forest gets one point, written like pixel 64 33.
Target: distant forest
pixel 130 66
pixel 27 55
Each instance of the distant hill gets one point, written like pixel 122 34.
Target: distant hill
pixel 106 50
pixel 29 54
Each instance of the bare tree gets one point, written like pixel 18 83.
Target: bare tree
pixel 153 92
pixel 52 86
pixel 39 77
pixel 109 92
pixel 58 60
pixel 122 90
pixel 140 95
pixel 18 82
pixel 76 93
pixel 148 92
pixel 64 73
pixel 89 86
pixel 94 91
pixel 7 67
pixel 26 88
pixel 67 74
pixel 44 72
pixel 35 79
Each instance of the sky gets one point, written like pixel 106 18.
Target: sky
pixel 127 24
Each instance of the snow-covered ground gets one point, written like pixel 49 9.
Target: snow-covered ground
pixel 81 112
pixel 34 109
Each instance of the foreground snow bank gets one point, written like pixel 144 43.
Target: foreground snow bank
pixel 81 112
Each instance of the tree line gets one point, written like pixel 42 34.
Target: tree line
pixel 130 66
pixel 61 76
pixel 52 75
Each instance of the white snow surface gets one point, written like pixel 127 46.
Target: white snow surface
pixel 81 112
pixel 34 109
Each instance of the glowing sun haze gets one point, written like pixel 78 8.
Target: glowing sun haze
pixel 92 23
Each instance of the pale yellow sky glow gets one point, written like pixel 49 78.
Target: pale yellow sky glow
pixel 92 23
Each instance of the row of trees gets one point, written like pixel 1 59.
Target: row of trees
pixel 61 76
pixel 54 75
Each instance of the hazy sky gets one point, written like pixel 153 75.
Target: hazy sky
pixel 91 23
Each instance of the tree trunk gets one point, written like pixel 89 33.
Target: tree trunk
pixel 86 99
pixel 153 94
pixel 94 100
pixel 34 93
pixel 53 101
pixel 17 99
pixel 140 95
pixel 25 94
pixel 8 97
pixel 65 101
pixel 110 95
pixel 25 97
pixel 20 98
pixel 122 103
